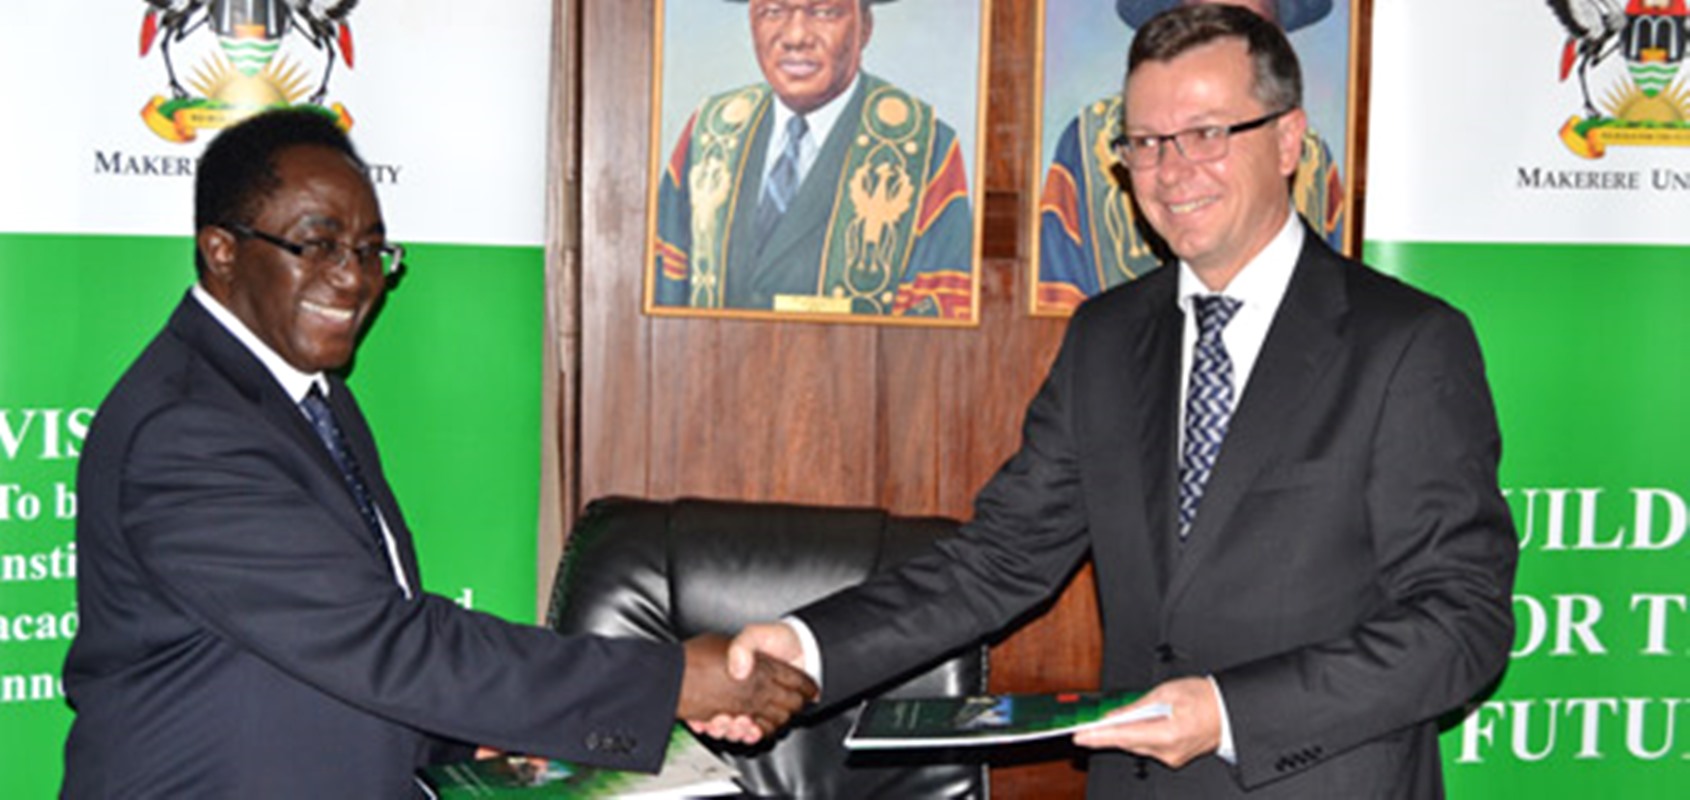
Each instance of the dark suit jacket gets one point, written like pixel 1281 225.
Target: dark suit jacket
pixel 242 637
pixel 1347 577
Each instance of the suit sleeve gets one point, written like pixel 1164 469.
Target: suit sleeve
pixel 1027 536
pixel 1445 553
pixel 224 516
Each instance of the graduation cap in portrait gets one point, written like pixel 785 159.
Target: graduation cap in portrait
pixel 1293 14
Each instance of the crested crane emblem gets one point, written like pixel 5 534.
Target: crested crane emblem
pixel 1648 106
pixel 248 70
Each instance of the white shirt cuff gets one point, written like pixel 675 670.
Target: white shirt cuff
pixel 1226 752
pixel 812 651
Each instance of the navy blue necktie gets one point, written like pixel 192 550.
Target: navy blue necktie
pixel 1208 403
pixel 322 420
pixel 783 179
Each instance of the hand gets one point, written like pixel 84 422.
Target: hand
pixel 1191 729
pixel 533 763
pixel 755 643
pixel 742 708
pixel 773 639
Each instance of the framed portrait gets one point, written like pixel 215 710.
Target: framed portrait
pixel 1087 234
pixel 817 160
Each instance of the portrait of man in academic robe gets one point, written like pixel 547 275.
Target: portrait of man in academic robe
pixel 812 159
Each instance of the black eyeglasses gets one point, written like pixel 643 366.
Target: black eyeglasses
pixel 1206 143
pixel 330 252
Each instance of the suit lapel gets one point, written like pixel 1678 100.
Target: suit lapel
pixel 1301 343
pixel 270 403
pixel 243 370
pixel 1159 361
pixel 1127 361
pixel 743 246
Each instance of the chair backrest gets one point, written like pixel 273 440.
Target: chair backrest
pixel 671 570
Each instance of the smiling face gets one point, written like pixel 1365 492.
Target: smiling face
pixel 1219 214
pixel 309 313
pixel 809 50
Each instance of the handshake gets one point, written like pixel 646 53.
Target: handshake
pixel 747 688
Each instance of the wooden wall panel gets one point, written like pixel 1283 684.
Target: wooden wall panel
pixel 759 410
pixel 614 404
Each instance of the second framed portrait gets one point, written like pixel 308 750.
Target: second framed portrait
pixel 1089 236
pixel 817 160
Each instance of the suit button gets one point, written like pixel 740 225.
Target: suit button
pixel 1164 652
pixel 609 742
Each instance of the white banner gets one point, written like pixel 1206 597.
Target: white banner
pixel 1474 135
pixel 426 77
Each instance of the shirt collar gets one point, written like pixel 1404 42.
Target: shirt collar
pixel 297 384
pixel 1262 282
pixel 819 121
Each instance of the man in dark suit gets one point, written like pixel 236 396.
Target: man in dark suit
pixel 252 618
pixel 1282 463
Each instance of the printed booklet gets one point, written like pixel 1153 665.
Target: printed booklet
pixel 989 719
pixel 689 770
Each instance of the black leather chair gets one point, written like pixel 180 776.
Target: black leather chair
pixel 671 570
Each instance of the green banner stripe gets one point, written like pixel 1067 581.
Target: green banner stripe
pixel 449 377
pixel 244 46
pixel 1582 346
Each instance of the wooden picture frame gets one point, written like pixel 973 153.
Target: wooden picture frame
pixel 882 227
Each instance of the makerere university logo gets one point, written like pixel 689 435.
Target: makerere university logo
pixel 259 60
pixel 1647 106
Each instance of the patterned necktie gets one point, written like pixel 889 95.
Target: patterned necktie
pixel 1208 403
pixel 783 179
pixel 322 419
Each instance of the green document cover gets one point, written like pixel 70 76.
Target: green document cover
pixel 989 719
pixel 689 770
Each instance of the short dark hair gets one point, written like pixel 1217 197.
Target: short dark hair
pixel 238 168
pixel 1278 76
